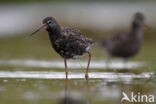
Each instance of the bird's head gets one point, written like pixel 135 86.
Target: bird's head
pixel 49 24
pixel 139 21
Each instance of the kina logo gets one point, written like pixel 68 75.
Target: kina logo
pixel 137 97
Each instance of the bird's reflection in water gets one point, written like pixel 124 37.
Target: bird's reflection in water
pixel 69 99
pixel 88 91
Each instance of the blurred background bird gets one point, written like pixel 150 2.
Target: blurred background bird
pixel 126 44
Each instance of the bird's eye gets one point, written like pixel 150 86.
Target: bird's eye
pixel 48 22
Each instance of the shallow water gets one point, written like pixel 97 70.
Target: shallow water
pixel 61 75
pixel 51 87
pixel 100 64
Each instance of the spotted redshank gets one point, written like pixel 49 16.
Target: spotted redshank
pixel 67 42
pixel 126 44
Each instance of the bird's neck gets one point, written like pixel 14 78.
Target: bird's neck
pixel 136 34
pixel 136 29
pixel 54 30
pixel 54 33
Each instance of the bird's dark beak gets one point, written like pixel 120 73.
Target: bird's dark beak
pixel 41 28
pixel 148 27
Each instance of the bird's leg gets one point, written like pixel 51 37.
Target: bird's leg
pixel 90 56
pixel 66 69
pixel 66 82
pixel 88 92
pixel 125 60
pixel 108 62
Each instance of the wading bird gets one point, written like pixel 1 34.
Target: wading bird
pixel 67 42
pixel 126 44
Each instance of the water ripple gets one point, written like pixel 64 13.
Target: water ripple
pixel 72 64
pixel 109 76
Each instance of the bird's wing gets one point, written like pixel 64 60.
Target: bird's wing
pixel 116 40
pixel 77 35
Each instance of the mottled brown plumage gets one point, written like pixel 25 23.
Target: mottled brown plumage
pixel 71 43
pixel 67 42
pixel 126 44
